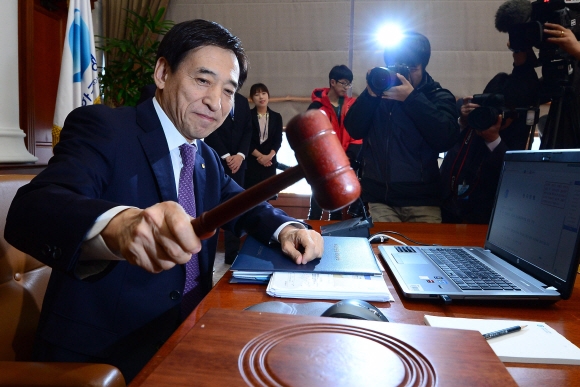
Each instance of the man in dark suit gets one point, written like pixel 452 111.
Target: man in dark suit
pixel 231 141
pixel 103 214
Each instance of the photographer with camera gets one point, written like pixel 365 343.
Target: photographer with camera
pixel 551 26
pixel 491 123
pixel 405 122
pixel 563 38
pixel 562 129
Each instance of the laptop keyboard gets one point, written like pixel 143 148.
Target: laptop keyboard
pixel 467 271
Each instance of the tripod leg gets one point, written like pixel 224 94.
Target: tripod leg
pixel 531 134
pixel 550 136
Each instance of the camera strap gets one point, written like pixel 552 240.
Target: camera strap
pixel 466 143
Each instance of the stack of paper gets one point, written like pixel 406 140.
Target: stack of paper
pixel 328 286
pixel 536 343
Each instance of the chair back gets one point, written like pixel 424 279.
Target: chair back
pixel 23 282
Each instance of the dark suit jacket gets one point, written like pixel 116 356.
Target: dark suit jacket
pixel 234 136
pixel 257 172
pixel 106 158
pixel 472 167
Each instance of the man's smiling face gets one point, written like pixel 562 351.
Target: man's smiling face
pixel 199 95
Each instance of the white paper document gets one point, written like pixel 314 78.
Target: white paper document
pixel 257 275
pixel 328 286
pixel 536 343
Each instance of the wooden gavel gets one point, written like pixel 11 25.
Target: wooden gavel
pixel 321 160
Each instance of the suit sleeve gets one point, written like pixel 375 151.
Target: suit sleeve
pixel 435 116
pixel 50 216
pixel 278 129
pixel 359 118
pixel 261 221
pixel 314 105
pixel 215 140
pixel 255 137
pixel 246 128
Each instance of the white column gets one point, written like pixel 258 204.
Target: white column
pixel 12 148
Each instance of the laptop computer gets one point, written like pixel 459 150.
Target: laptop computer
pixel 532 240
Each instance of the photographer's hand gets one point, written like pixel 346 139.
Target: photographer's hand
pixel 369 90
pixel 492 133
pixel 563 37
pixel 466 108
pixel 401 92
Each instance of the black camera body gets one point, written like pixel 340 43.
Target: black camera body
pixel 492 105
pixel 484 116
pixel 555 62
pixel 527 35
pixel 381 79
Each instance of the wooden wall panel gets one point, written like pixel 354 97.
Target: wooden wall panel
pixel 294 205
pixel 41 27
pixel 48 41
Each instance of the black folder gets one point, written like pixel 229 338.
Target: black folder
pixel 342 255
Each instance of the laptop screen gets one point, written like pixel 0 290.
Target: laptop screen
pixel 536 217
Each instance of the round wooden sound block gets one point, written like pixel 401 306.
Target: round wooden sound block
pixel 336 355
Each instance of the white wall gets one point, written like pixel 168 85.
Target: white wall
pixel 292 44
pixel 12 148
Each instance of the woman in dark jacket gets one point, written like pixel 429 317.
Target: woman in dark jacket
pixel 266 137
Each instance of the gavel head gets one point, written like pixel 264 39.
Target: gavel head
pixel 323 161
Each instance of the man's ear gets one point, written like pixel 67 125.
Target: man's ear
pixel 160 73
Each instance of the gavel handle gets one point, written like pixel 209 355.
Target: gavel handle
pixel 207 223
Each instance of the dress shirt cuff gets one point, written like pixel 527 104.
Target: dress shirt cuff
pixel 492 145
pixel 95 256
pixel 225 156
pixel 277 232
pixel 94 247
pixel 243 155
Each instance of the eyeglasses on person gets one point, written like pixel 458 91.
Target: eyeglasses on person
pixel 345 84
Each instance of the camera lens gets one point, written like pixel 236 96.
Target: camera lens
pixel 483 117
pixel 381 79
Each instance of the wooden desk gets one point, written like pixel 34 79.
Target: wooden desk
pixel 563 316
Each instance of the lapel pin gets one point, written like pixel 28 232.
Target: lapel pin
pixel 202 166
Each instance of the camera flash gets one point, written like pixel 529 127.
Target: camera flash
pixel 389 35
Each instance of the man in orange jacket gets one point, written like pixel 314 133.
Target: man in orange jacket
pixel 334 102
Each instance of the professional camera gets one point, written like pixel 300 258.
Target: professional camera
pixel 491 106
pixel 523 36
pixel 531 34
pixel 524 22
pixel 381 79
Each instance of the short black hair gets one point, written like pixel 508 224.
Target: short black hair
pixel 256 87
pixel 340 72
pixel 190 35
pixel 414 49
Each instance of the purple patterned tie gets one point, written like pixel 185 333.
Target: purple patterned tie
pixel 192 293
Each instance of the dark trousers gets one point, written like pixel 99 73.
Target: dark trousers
pixel 232 246
pixel 130 353
pixel 231 241
pixel 315 212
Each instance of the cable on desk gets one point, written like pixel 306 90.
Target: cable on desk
pixel 383 238
pixel 381 234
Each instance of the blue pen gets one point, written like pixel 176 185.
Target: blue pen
pixel 502 332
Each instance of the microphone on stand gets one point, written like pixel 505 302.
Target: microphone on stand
pixel 355 227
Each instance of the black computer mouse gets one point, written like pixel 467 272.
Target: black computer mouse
pixel 355 309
